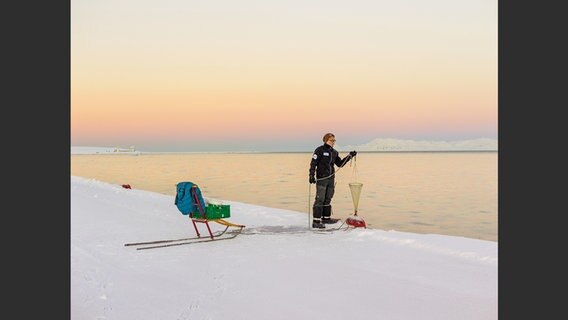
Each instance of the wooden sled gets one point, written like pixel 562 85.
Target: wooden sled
pixel 201 218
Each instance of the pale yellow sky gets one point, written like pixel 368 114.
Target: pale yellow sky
pixel 177 74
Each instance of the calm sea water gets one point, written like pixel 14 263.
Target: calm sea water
pixel 450 193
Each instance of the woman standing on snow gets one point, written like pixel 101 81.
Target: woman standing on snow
pixel 322 173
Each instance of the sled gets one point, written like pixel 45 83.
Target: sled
pixel 216 214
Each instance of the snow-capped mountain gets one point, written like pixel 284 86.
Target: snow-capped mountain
pixel 389 144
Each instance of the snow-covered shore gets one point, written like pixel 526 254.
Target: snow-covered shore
pixel 277 269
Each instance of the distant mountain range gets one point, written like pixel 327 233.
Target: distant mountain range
pixel 389 144
pixel 380 144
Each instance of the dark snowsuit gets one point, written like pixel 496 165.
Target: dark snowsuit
pixel 322 167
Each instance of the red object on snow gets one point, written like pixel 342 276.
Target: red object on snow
pixel 126 186
pixel 355 221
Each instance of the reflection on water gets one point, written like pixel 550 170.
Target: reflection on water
pixel 451 193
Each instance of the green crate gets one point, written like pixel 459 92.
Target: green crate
pixel 218 211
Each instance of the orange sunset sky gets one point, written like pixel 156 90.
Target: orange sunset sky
pixel 181 75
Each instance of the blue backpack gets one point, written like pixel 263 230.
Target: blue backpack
pixel 186 192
